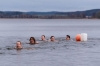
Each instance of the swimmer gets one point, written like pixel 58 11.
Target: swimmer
pixel 52 39
pixel 18 45
pixel 33 41
pixel 43 38
pixel 67 37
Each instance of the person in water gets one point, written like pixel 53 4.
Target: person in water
pixel 33 41
pixel 18 45
pixel 67 37
pixel 52 38
pixel 43 38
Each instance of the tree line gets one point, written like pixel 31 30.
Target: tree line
pixel 53 15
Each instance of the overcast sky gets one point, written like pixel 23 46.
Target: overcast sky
pixel 48 5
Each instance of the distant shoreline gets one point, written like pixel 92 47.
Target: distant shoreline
pixel 88 14
pixel 48 18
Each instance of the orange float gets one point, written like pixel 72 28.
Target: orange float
pixel 78 37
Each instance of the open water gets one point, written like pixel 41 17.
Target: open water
pixel 61 53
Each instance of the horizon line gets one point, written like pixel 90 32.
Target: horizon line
pixel 46 11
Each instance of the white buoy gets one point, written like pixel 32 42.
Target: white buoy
pixel 83 36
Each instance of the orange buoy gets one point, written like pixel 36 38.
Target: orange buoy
pixel 78 37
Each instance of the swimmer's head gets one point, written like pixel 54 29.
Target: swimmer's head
pixel 52 38
pixel 67 37
pixel 32 40
pixel 43 37
pixel 18 44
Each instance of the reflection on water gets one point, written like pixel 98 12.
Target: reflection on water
pixel 61 53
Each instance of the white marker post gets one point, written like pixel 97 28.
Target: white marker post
pixel 83 36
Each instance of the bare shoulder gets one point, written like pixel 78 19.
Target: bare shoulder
pixel 37 42
pixel 56 40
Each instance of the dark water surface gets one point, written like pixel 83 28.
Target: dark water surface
pixel 61 53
